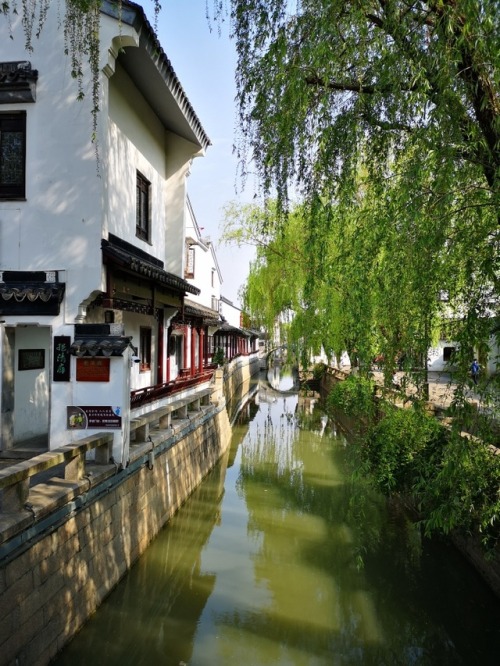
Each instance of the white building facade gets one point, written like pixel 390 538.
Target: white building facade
pixel 92 254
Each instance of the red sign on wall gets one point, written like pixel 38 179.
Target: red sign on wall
pixel 92 369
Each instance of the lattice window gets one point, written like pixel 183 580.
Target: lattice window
pixel 143 211
pixel 12 155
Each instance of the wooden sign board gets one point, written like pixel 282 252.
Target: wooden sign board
pixel 62 358
pixel 92 369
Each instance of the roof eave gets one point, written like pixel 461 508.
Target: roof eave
pixel 133 14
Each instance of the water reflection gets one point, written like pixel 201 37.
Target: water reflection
pixel 154 611
pixel 284 557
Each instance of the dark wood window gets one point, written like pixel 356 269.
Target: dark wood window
pixel 210 344
pixel 143 212
pixel 448 353
pixel 12 155
pixel 145 349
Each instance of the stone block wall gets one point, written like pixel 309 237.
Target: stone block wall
pixel 56 583
pixel 238 378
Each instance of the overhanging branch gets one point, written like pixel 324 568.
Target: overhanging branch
pixel 355 86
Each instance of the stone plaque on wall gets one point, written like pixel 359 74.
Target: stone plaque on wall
pixel 31 359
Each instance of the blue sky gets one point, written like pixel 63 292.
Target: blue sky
pixel 204 62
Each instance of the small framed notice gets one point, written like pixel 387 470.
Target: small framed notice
pixel 97 417
pixel 92 369
pixel 31 359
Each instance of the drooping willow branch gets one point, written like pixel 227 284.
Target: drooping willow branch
pixel 81 29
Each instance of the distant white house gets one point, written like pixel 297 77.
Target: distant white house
pixel 440 356
pixel 231 312
pixel 203 272
pixel 234 336
pixel 202 266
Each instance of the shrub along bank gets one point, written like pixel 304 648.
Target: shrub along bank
pixel 452 480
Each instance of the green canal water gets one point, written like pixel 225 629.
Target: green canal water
pixel 283 557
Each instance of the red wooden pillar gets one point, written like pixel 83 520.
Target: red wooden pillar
pixel 185 348
pixel 200 349
pixel 168 350
pixel 161 350
pixel 193 352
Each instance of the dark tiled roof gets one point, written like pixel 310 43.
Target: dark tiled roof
pixel 17 82
pixel 133 14
pixel 251 332
pixel 210 317
pixel 226 327
pixel 109 345
pixel 31 297
pixel 31 292
pixel 140 263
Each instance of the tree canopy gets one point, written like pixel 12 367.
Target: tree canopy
pixel 333 82
pixel 382 117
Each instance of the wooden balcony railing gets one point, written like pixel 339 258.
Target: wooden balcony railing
pixel 150 394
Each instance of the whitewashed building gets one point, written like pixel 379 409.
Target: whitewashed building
pixel 92 264
pixel 202 271
pixel 234 336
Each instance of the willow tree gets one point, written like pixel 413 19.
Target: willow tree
pixel 274 290
pixel 336 272
pixel 290 281
pixel 408 95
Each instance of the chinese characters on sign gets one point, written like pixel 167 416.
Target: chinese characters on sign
pixel 92 369
pixel 61 369
pixel 83 418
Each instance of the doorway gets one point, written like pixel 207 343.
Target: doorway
pixel 25 398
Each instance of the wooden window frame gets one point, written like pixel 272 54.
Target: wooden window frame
pixel 13 122
pixel 145 348
pixel 143 208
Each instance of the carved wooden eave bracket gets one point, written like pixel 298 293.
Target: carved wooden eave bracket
pixel 17 82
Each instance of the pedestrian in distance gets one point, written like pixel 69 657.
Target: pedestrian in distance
pixel 474 371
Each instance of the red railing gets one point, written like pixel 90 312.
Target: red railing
pixel 149 394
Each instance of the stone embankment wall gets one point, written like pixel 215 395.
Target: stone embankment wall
pixel 238 378
pixel 55 582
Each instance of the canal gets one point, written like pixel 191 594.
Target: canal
pixel 284 556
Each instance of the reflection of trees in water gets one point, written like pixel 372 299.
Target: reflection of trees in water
pixel 284 453
pixel 154 612
pixel 310 516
